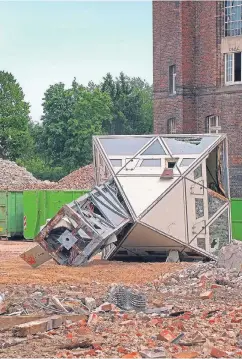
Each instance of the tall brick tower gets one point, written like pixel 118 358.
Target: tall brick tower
pixel 197 47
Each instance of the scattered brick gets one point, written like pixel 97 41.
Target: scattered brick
pixel 166 336
pixel 217 353
pixel 132 355
pixel 105 307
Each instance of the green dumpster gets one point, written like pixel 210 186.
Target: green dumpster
pixel 11 213
pixel 236 216
pixel 38 206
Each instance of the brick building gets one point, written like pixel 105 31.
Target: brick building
pixel 197 47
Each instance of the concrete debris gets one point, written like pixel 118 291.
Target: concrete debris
pixel 58 304
pixel 154 353
pixel 17 178
pixel 126 298
pixel 230 256
pixel 173 257
pixel 90 303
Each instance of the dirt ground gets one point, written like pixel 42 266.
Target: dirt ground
pixel 13 270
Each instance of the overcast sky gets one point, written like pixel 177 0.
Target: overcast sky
pixel 42 43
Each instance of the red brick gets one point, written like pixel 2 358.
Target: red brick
pixel 166 336
pixel 132 355
pixel 236 320
pixel 96 346
pixel 122 350
pixel 106 307
pixel 217 353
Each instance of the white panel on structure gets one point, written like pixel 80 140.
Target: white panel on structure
pixel 143 191
pixel 147 238
pixel 168 215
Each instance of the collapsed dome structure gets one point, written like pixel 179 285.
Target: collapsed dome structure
pixel 153 194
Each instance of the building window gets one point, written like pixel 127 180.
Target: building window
pixel 212 124
pixel 172 79
pixel 233 68
pixel 233 18
pixel 171 125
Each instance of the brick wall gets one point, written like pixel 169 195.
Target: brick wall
pixel 188 34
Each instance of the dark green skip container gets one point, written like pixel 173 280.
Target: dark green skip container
pixel 11 214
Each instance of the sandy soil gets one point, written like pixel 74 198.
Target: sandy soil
pixel 13 270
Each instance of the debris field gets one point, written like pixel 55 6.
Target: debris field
pixel 122 310
pixel 17 178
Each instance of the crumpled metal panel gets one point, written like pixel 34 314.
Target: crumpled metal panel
pixel 84 227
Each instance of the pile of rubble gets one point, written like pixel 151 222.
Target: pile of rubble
pixel 17 178
pixel 192 313
pixel 83 178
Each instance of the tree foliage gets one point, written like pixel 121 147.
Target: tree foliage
pixel 71 117
pixel 15 139
pixel 62 140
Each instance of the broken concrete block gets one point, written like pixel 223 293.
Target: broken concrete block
pixel 173 257
pixel 57 321
pixel 38 326
pixel 154 353
pixel 206 295
pixel 230 256
pixel 90 303
pixel 8 322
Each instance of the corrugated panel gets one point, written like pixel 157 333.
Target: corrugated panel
pixel 15 214
pixel 3 213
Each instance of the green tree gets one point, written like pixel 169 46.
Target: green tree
pixel 71 117
pixel 132 104
pixel 15 139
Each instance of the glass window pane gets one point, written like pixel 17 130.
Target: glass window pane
pixel 233 18
pixel 151 163
pixel 188 145
pixel 123 146
pixel 116 163
pixel 154 149
pixel 186 162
